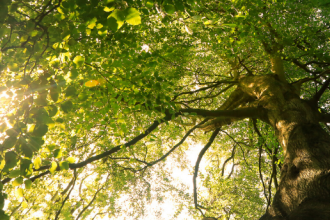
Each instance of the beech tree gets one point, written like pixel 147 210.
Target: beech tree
pixel 101 100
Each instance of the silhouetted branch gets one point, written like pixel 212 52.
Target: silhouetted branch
pixel 318 95
pixel 200 156
pixel 227 160
pixel 66 198
pixel 175 146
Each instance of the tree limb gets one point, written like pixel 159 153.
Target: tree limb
pixel 324 117
pixel 155 124
pixel 200 156
pixel 318 95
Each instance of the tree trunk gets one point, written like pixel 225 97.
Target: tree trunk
pixel 304 189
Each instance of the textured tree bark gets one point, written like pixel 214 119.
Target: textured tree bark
pixel 304 189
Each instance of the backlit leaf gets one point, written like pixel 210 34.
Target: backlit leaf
pixel 53 167
pixel 37 163
pixel 24 204
pixel 19 193
pixel 18 181
pixel 71 159
pixel 132 16
pixel 79 61
pixel 91 83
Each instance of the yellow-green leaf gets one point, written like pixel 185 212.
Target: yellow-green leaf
pixel 99 26
pixel 64 165
pixel 71 159
pixel 37 163
pixel 92 83
pixel 92 23
pixel 24 204
pixel 18 181
pixel 53 167
pixel 19 193
pixel 169 8
pixel 107 9
pixel 79 60
pixel 132 16
pixel 2 165
pixel 57 153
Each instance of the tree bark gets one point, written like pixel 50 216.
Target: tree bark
pixel 304 189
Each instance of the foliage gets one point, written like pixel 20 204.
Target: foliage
pixel 93 94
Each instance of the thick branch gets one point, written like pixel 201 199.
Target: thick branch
pixel 318 95
pixel 128 144
pixel 324 117
pixel 154 125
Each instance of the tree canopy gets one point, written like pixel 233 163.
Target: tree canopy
pixel 100 100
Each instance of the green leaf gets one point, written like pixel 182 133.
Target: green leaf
pixel 35 143
pixel 64 165
pixel 3 215
pixel 3 127
pixel 132 16
pixel 54 91
pixel 12 132
pixel 79 61
pixel 53 167
pixel 57 153
pixel 40 130
pixel 149 4
pixel 28 184
pixel 9 142
pixel 11 159
pixel 26 167
pixel 34 33
pixel 18 181
pixel 169 9
pixel 2 203
pixel 92 23
pixel 37 163
pixel 41 116
pixel 70 91
pixel 112 24
pixel 52 110
pixel 14 173
pixel 59 120
pixel 229 25
pixel 118 15
pixel 67 106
